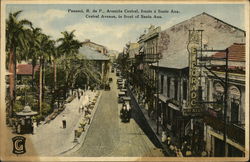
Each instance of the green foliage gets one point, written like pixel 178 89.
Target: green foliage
pixel 46 108
pixel 18 106
pixel 38 118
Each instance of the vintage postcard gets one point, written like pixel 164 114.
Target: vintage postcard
pixel 124 80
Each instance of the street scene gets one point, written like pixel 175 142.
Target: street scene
pixel 127 80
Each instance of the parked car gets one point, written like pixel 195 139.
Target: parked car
pixel 110 79
pixel 120 96
pixel 107 87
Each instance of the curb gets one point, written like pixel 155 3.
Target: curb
pixel 83 135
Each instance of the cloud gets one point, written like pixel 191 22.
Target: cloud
pixel 44 20
pixel 112 36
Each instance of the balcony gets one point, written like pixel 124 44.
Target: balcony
pixel 234 132
pixel 151 58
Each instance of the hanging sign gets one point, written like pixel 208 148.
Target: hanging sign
pixel 193 107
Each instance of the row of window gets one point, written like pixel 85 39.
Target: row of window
pixel 175 87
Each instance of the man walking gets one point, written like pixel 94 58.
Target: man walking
pixel 64 121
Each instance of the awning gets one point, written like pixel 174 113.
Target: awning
pixel 173 106
pixel 141 50
pixel 162 97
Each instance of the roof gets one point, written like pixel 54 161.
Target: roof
pixel 88 41
pixel 172 42
pixel 26 69
pixel 236 52
pixel 90 54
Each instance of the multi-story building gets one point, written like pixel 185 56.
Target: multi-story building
pixel 94 46
pixel 148 54
pixel 173 76
pixel 133 52
pixel 214 121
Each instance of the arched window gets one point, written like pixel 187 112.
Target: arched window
pixel 218 92
pixel 234 96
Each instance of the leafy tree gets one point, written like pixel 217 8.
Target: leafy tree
pixel 16 42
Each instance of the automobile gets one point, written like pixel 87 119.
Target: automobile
pixel 120 96
pixel 126 111
pixel 118 72
pixel 119 80
pixel 123 90
pixel 110 80
pixel 121 85
pixel 107 87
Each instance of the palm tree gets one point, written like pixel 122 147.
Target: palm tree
pixel 68 48
pixel 16 36
pixel 33 50
pixel 44 54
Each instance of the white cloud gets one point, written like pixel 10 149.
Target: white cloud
pixel 114 37
pixel 44 20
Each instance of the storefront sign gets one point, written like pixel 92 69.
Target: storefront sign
pixel 194 44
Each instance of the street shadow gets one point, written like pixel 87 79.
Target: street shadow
pixel 141 121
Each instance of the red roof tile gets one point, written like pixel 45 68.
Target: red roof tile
pixel 26 69
pixel 236 53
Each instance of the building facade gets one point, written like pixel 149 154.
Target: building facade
pixel 214 123
pixel 173 77
pixel 94 46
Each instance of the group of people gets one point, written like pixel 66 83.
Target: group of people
pixel 185 149
pixel 87 112
pixel 125 112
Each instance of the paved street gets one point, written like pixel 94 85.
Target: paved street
pixel 108 136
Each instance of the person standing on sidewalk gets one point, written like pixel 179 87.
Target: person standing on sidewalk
pixel 80 109
pixel 163 137
pixel 64 121
pixel 34 127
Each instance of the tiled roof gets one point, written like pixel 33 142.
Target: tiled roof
pixel 236 53
pixel 26 69
pixel 90 54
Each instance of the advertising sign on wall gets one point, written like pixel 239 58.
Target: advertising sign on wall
pixel 195 37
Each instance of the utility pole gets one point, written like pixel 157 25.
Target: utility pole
pixel 225 105
pixel 225 86
pixel 157 93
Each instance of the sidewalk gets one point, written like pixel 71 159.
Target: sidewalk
pixel 52 139
pixel 153 126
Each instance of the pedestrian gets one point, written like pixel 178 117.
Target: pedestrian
pixel 122 112
pixel 34 126
pixel 64 121
pixel 128 109
pixel 83 108
pixel 168 140
pixel 78 95
pixel 163 137
pixel 184 148
pixel 188 152
pixel 88 117
pixel 80 109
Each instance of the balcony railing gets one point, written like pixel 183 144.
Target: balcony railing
pixel 151 58
pixel 234 132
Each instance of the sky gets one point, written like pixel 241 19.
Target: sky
pixel 115 33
